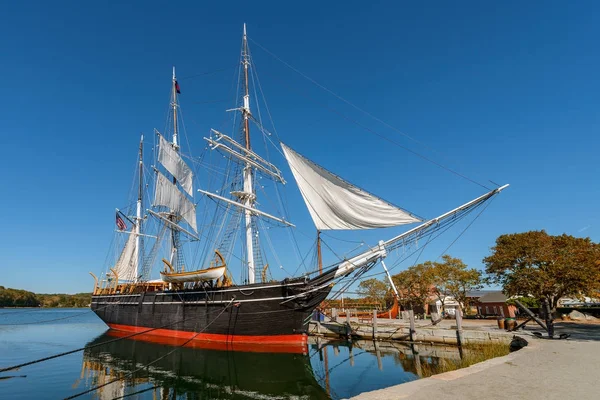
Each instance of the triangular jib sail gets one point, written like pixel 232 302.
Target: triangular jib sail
pixel 336 204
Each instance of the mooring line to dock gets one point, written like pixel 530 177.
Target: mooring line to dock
pixel 152 362
pixel 66 353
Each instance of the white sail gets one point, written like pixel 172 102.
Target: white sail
pixel 127 263
pixel 173 162
pixel 336 204
pixel 167 194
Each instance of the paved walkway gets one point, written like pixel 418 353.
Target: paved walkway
pixel 546 369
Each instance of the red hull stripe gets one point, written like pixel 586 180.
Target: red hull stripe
pixel 276 343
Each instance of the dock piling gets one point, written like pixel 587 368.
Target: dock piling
pixel 411 317
pixel 374 324
pixel 459 332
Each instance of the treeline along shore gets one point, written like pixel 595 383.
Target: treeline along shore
pixel 22 298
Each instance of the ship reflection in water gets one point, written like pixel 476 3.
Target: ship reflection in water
pixel 201 370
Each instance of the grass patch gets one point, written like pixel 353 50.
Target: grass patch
pixel 472 354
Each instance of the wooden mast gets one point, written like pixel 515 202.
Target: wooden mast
pixel 319 256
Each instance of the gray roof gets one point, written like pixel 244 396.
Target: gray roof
pixel 495 296
pixel 479 293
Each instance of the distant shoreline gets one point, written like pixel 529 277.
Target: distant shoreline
pixel 18 298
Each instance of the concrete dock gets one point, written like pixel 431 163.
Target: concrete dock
pixel 546 369
pixel 473 331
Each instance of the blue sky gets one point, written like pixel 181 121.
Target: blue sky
pixel 506 92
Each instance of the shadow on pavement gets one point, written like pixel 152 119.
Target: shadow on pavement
pixel 578 331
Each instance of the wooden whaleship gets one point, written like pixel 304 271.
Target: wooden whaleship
pixel 204 302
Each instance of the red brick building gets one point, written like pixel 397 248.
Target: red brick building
pixel 493 303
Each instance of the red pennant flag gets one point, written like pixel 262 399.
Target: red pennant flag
pixel 177 87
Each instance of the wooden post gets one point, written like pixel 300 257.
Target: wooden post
pixel 459 336
pixel 411 317
pixel 549 322
pixel 374 324
pixel 390 314
pixel 334 314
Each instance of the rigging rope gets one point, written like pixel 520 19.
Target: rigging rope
pixel 464 230
pixel 372 116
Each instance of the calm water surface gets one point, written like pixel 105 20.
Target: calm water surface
pixel 329 370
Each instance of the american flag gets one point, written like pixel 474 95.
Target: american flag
pixel 120 223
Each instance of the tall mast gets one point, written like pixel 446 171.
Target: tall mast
pixel 174 233
pixel 174 105
pixel 249 196
pixel 138 214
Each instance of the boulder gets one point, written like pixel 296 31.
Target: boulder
pixel 577 316
pixel 517 343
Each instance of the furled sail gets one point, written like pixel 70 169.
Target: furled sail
pixel 167 194
pixel 173 162
pixel 334 203
pixel 127 263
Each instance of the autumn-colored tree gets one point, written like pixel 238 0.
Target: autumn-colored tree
pixel 415 284
pixel 373 289
pixel 441 273
pixel 544 266
pixel 452 278
pixel 463 282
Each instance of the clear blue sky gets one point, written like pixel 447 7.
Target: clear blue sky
pixel 506 91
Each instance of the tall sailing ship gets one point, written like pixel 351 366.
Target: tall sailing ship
pixel 202 300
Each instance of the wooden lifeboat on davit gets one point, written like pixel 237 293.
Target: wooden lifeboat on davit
pixel 208 274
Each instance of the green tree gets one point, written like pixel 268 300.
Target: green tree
pixel 373 289
pixel 543 266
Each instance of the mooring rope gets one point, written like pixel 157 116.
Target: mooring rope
pixel 66 353
pixel 152 362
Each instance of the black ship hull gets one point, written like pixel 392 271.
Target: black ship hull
pixel 274 313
